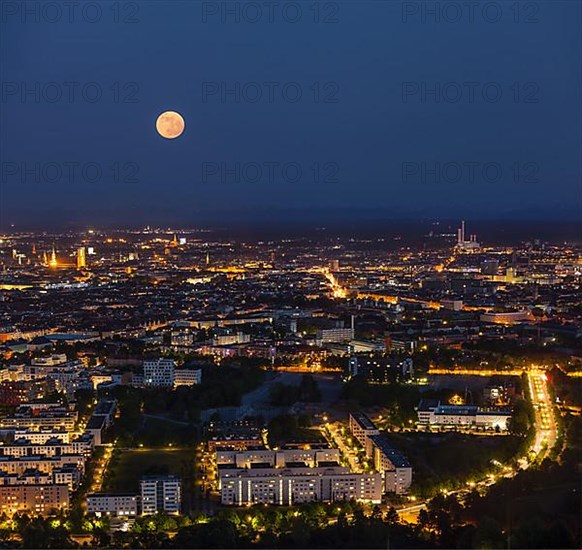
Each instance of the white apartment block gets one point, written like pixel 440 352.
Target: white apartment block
pixel 395 469
pixel 278 459
pixel 161 494
pixel 40 438
pixel 21 448
pixel 50 421
pixel 187 377
pixel 362 428
pixel 329 335
pixel 296 485
pixel 465 416
pixel 159 372
pixel 67 476
pixel 121 505
pixel 231 339
pixel 19 465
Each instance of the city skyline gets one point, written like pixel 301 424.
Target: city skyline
pixel 298 274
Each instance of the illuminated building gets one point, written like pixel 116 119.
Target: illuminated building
pixel 395 468
pixel 467 416
pixel 103 504
pixel 278 459
pixel 81 258
pixel 159 372
pixel 466 245
pixel 44 420
pixel 296 485
pixel 506 318
pixel 52 447
pixel 187 377
pixel 362 428
pixel 53 261
pixel 160 494
pixel 328 335
pixel 163 373
pixel 46 464
pixel 33 499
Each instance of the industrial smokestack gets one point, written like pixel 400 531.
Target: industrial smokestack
pixel 463 231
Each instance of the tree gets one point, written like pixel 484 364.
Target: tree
pixel 488 534
pixel 392 517
pixel 423 519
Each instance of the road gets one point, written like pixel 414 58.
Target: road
pixel 544 441
pixel 101 465
pixel 545 420
pixel 338 441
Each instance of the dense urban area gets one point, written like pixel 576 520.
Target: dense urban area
pixel 172 388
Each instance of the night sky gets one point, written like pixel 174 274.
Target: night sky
pixel 349 133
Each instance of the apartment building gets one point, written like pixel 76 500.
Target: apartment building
pixel 260 455
pixel 159 372
pixel 395 468
pixel 362 428
pixel 161 494
pixel 288 486
pixel 187 377
pixel 118 505
pixel 46 464
pixel 52 447
pixel 42 499
pixel 434 413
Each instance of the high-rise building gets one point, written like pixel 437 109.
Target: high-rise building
pixel 81 258
pixel 353 366
pixel 160 494
pixel 159 372
pixel 53 260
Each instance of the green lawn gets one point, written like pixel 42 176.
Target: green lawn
pixel 128 467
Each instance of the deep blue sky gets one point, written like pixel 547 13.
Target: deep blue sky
pixel 170 52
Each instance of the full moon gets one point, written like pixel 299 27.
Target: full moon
pixel 170 125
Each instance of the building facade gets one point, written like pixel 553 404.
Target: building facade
pixel 159 372
pixel 120 505
pixel 291 486
pixel 34 499
pixel 187 377
pixel 161 494
pixel 432 413
pixel 362 428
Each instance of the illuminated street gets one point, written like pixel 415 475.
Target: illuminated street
pixel 545 435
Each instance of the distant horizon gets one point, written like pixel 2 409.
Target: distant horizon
pixel 332 215
pixel 323 226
